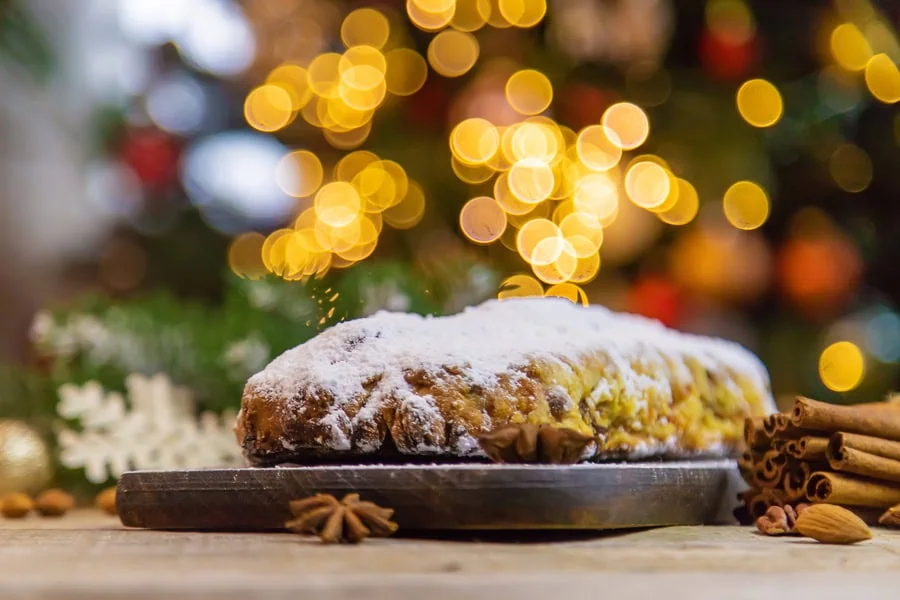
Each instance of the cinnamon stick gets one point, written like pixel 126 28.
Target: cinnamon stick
pixel 867 443
pixel 854 461
pixel 869 419
pixel 794 482
pixel 837 488
pixel 807 448
pixel 768 425
pixel 767 472
pixel 745 466
pixel 754 434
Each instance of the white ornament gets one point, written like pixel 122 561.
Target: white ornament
pixel 156 428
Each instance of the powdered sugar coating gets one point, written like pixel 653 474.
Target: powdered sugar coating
pixel 481 344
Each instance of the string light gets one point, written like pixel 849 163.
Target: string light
pixel 482 220
pixel 841 366
pixel 849 47
pixel 746 205
pixel 686 206
pixel 883 79
pixel 520 286
pixel 759 103
pixel 630 124
pixel 529 92
pixel 452 53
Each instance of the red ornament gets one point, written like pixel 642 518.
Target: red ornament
pixel 152 155
pixel 657 298
pixel 726 59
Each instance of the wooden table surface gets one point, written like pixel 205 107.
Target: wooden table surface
pixel 90 555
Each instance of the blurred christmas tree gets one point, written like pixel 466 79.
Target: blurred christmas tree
pixel 721 166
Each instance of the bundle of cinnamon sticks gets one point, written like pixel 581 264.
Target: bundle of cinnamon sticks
pixel 824 453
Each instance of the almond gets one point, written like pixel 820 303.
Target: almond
pixel 832 524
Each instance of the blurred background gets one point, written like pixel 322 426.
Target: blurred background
pixel 191 187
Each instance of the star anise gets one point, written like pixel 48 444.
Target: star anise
pixel 527 443
pixel 350 520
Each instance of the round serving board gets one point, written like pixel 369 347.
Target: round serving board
pixel 440 496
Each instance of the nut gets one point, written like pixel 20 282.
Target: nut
pixel 54 503
pixel 16 506
pixel 832 524
pixel 890 517
pixel 774 522
pixel 106 501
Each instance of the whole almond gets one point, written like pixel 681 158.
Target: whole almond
pixel 832 524
pixel 106 501
pixel 54 503
pixel 16 506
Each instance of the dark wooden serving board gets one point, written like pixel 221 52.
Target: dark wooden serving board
pixel 440 497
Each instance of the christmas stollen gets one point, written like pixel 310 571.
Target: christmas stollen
pixel 398 386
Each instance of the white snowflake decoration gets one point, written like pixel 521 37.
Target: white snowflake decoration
pixel 155 429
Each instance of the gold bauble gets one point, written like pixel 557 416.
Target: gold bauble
pixel 24 459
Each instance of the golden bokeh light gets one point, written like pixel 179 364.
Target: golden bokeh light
pixel 337 115
pixel 337 204
pixel 522 13
pixel 474 141
pixel 569 291
pixel 409 211
pixel 533 140
pixel 531 180
pixel 359 56
pixel 295 81
pixel 883 79
pixel 245 255
pixel 842 366
pixel 377 187
pixel 351 164
pixel 529 92
pixel 365 26
pixel 851 168
pixel 746 205
pixel 596 195
pixel 759 103
pixel 587 267
pixel 423 14
pixel 349 139
pixel 471 174
pixel 532 234
pixel 362 88
pixel 324 74
pixel 598 148
pixel 647 184
pixel 299 173
pixel 538 211
pixel 686 206
pixel 406 71
pixel 849 47
pixel 471 15
pixel 482 220
pixel 452 53
pixel 584 226
pixel 520 286
pixel 268 108
pixel 337 239
pixel 561 268
pixel 507 199
pixel 630 124
pixel 272 251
